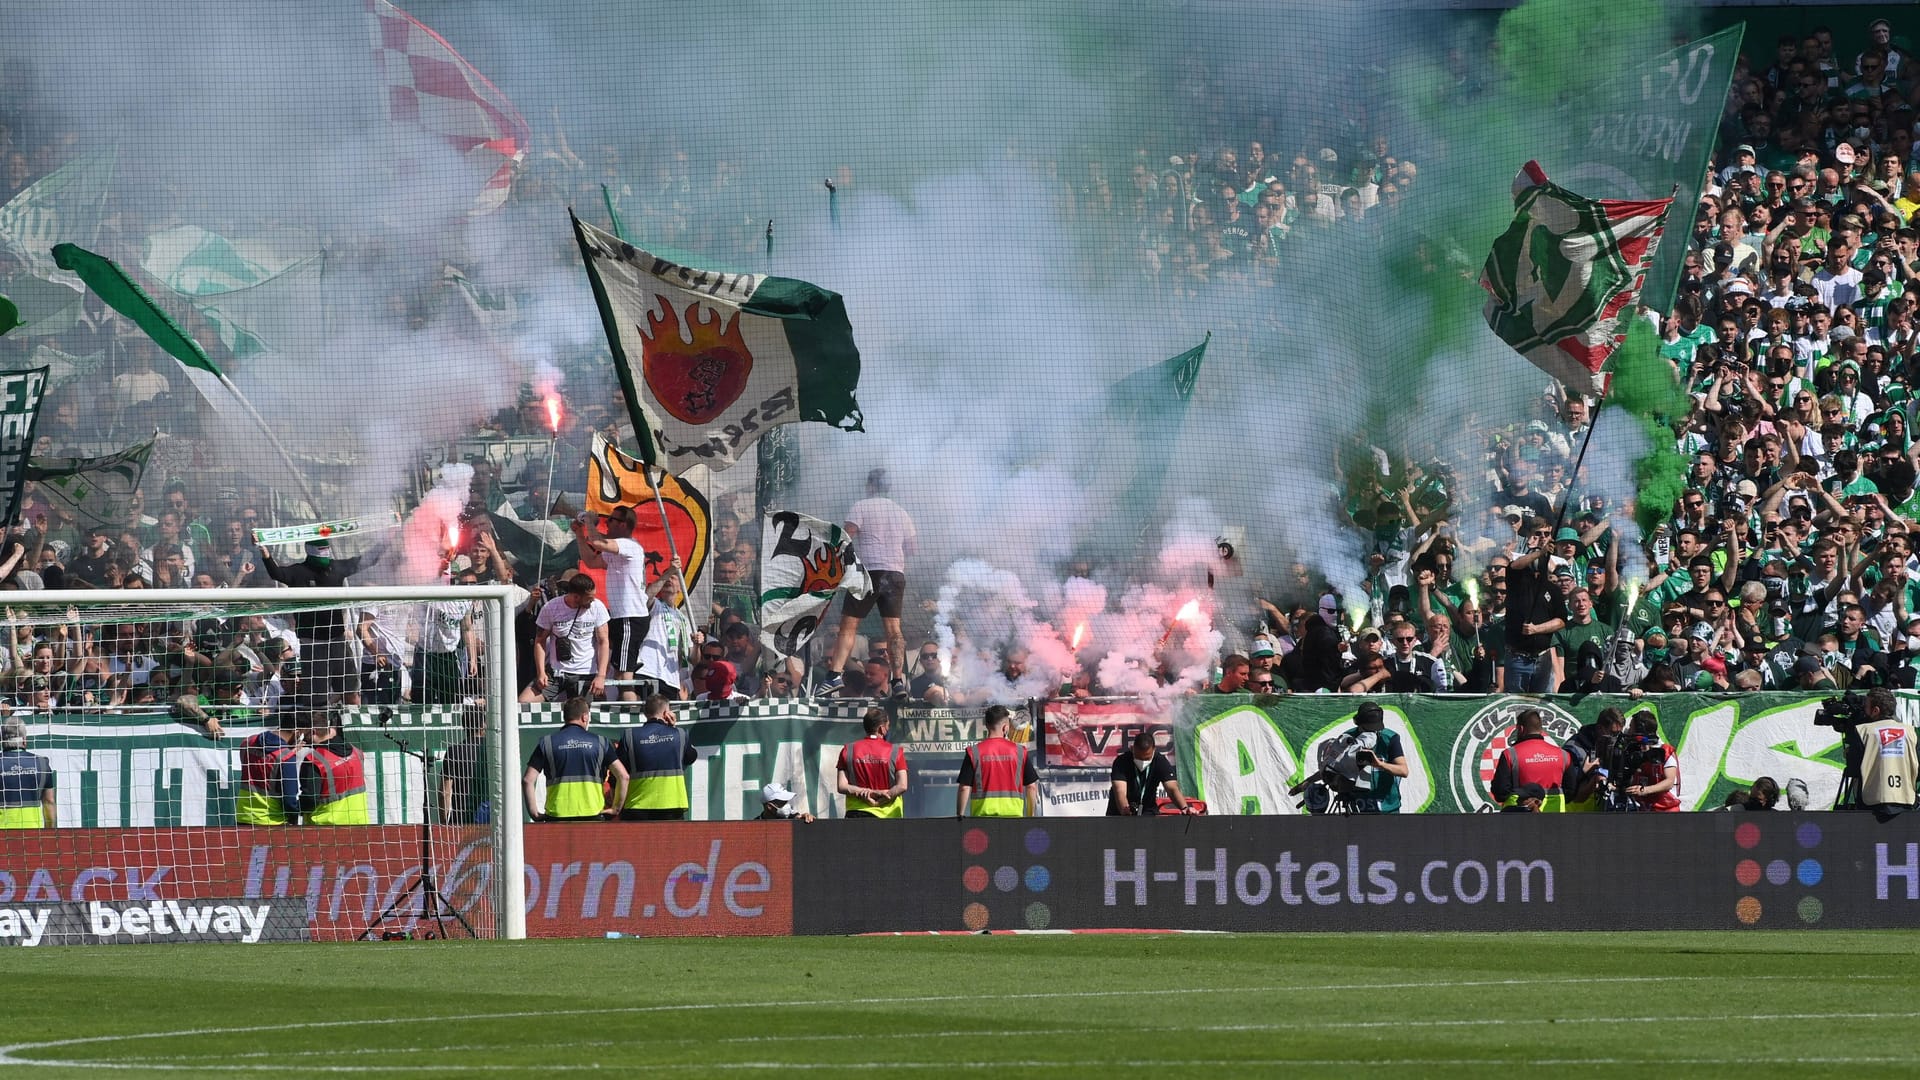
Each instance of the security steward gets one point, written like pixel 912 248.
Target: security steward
pixel 655 756
pixel 997 775
pixel 1532 759
pixel 333 778
pixel 575 762
pixel 26 783
pixel 872 773
pixel 270 775
pixel 1881 768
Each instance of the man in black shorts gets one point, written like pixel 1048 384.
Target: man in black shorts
pixel 883 538
pixel 628 604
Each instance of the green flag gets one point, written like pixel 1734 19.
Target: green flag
pixel 9 315
pixel 1153 402
pixel 1648 134
pixel 62 205
pixel 252 292
pixel 98 490
pixel 124 296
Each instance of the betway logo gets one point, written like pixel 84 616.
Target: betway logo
pixel 171 918
pixel 25 925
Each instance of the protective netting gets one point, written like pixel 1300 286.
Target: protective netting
pixel 360 214
pixel 252 752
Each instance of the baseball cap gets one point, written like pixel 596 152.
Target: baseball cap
pixel 774 793
pixel 1747 489
pixel 1743 148
pixel 1536 425
pixel 1806 665
pixel 1263 646
pixel 1701 631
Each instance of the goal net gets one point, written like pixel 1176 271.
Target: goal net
pixel 255 764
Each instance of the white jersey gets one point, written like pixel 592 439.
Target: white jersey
pixel 665 652
pixel 626 579
pixel 883 531
pixel 562 620
pixel 443 631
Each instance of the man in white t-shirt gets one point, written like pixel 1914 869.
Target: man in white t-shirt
pixel 449 652
pixel 883 538
pixel 570 645
pixel 625 561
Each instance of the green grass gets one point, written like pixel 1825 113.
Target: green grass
pixel 1661 1004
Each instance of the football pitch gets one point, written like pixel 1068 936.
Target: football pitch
pixel 1596 1004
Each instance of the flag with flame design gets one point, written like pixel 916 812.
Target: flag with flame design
pixel 710 360
pixel 614 480
pixel 803 562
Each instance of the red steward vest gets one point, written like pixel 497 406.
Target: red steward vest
pixel 1537 761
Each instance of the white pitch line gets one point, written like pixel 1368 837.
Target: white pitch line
pixel 1298 1025
pixel 9 1054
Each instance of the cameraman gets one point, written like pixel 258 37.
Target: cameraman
pixel 1386 762
pixel 1881 768
pixel 1586 752
pixel 1655 782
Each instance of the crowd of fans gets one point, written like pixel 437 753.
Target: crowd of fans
pixel 1787 563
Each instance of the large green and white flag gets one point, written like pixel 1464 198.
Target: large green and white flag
pixel 253 292
pixel 709 360
pixel 1565 272
pixel 99 490
pixel 803 562
pixel 63 205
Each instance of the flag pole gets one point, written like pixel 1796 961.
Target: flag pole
pixel 613 216
pixel 673 548
pixel 313 504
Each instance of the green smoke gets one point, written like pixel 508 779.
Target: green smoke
pixel 1646 388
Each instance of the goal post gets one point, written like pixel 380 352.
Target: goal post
pixel 261 763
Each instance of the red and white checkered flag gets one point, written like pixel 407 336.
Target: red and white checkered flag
pixel 432 87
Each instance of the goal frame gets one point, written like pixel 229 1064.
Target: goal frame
pixel 502 691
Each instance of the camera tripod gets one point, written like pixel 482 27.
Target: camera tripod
pixel 432 904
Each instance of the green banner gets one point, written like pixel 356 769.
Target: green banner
pixel 1241 755
pixel 1651 129
pixel 115 771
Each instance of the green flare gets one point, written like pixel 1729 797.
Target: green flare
pixel 1646 387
